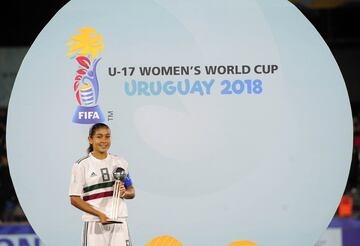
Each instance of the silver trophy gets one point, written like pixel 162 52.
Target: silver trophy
pixel 119 176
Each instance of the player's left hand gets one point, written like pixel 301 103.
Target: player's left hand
pixel 122 189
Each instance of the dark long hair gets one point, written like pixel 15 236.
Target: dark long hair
pixel 92 132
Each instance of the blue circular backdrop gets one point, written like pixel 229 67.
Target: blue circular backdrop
pixel 233 116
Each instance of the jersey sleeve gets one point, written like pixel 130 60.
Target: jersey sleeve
pixel 77 181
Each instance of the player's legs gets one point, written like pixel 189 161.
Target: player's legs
pixel 120 235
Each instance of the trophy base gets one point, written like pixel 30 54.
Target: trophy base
pixel 115 221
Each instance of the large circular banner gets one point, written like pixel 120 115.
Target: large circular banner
pixel 233 116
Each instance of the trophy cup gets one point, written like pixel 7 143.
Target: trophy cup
pixel 119 176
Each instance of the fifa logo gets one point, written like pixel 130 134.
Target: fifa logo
pixel 85 48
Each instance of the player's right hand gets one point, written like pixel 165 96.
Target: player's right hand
pixel 104 219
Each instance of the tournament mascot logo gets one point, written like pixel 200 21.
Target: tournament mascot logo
pixel 85 48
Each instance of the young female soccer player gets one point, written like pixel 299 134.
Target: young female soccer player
pixel 92 187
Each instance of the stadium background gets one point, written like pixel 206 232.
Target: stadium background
pixel 337 22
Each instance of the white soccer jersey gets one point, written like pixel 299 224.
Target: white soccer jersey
pixel 93 181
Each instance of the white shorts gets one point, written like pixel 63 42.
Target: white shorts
pixel 97 234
